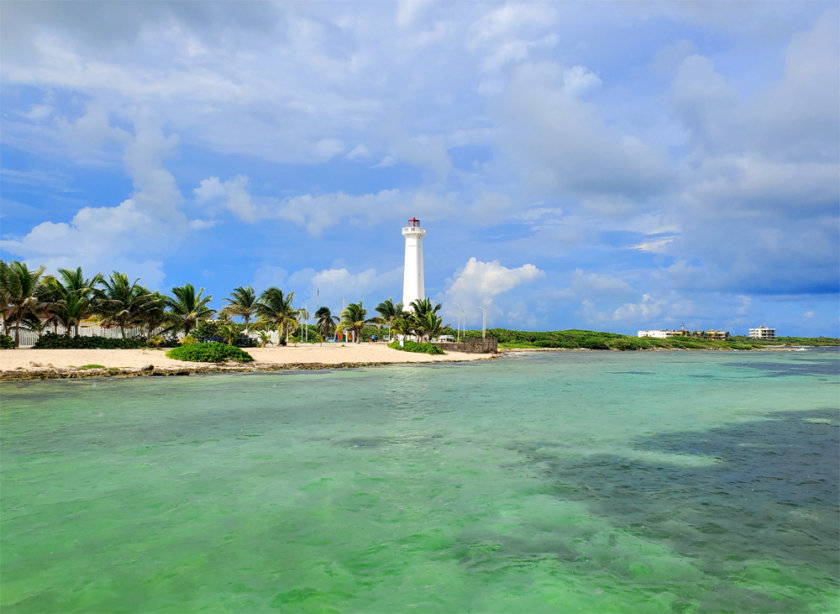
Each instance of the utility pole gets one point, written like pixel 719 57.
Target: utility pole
pixel 483 323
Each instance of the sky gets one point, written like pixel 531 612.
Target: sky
pixel 599 165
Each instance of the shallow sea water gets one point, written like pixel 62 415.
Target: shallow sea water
pixel 553 482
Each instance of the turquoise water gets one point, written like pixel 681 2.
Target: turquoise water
pixel 557 482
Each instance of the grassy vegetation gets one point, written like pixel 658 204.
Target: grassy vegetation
pixel 593 340
pixel 86 367
pixel 209 352
pixel 413 346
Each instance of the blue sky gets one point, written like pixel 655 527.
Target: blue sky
pixel 609 166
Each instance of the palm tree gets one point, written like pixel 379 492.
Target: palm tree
pixel 152 314
pixel 421 310
pixel 390 312
pixel 353 318
pixel 275 310
pixel 402 326
pixel 121 302
pixel 24 294
pixel 186 308
pixel 242 302
pixel 4 296
pixel 72 296
pixel 230 331
pixel 422 306
pixel 325 322
pixel 429 326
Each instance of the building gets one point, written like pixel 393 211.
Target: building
pixel 762 332
pixel 664 334
pixel 658 334
pixel 413 285
pixel 717 335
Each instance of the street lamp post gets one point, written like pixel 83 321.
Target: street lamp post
pixel 483 323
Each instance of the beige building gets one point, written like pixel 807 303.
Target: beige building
pixel 762 332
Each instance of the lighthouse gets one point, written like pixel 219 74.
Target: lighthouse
pixel 413 287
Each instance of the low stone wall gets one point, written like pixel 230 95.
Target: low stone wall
pixel 490 345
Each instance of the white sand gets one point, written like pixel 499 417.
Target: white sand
pixel 327 354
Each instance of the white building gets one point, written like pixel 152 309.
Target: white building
pixel 413 285
pixel 762 332
pixel 658 334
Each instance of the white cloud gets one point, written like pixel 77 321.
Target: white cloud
pixel 102 238
pixel 655 246
pixel 317 212
pixel 233 195
pixel 577 80
pixel 508 21
pixel 479 282
pixel 357 153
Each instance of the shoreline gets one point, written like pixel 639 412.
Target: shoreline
pixel 22 364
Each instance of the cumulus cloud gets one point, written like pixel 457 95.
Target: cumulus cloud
pixel 317 212
pixel 232 194
pixel 478 283
pixel 102 238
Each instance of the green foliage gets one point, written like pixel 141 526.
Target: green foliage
pixel 187 308
pixel 23 296
pixel 92 366
pixel 206 328
pixel 325 322
pixel 209 352
pixel 275 312
pixel 6 342
pixel 121 302
pixel 243 303
pixel 187 340
pixel 51 341
pixel 354 317
pixel 413 346
pixel 592 340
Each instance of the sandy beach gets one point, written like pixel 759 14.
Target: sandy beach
pixel 48 364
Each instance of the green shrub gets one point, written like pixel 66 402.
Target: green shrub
pixel 209 352
pixel 206 328
pixel 51 341
pixel 6 342
pixel 413 346
pixel 92 366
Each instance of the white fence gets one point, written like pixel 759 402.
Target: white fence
pixel 29 337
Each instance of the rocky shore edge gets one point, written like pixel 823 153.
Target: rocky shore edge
pixel 23 374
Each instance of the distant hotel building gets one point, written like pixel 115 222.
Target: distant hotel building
pixel 762 332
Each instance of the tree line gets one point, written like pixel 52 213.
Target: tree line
pixel 32 300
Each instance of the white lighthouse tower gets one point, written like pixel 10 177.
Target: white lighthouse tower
pixel 413 287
